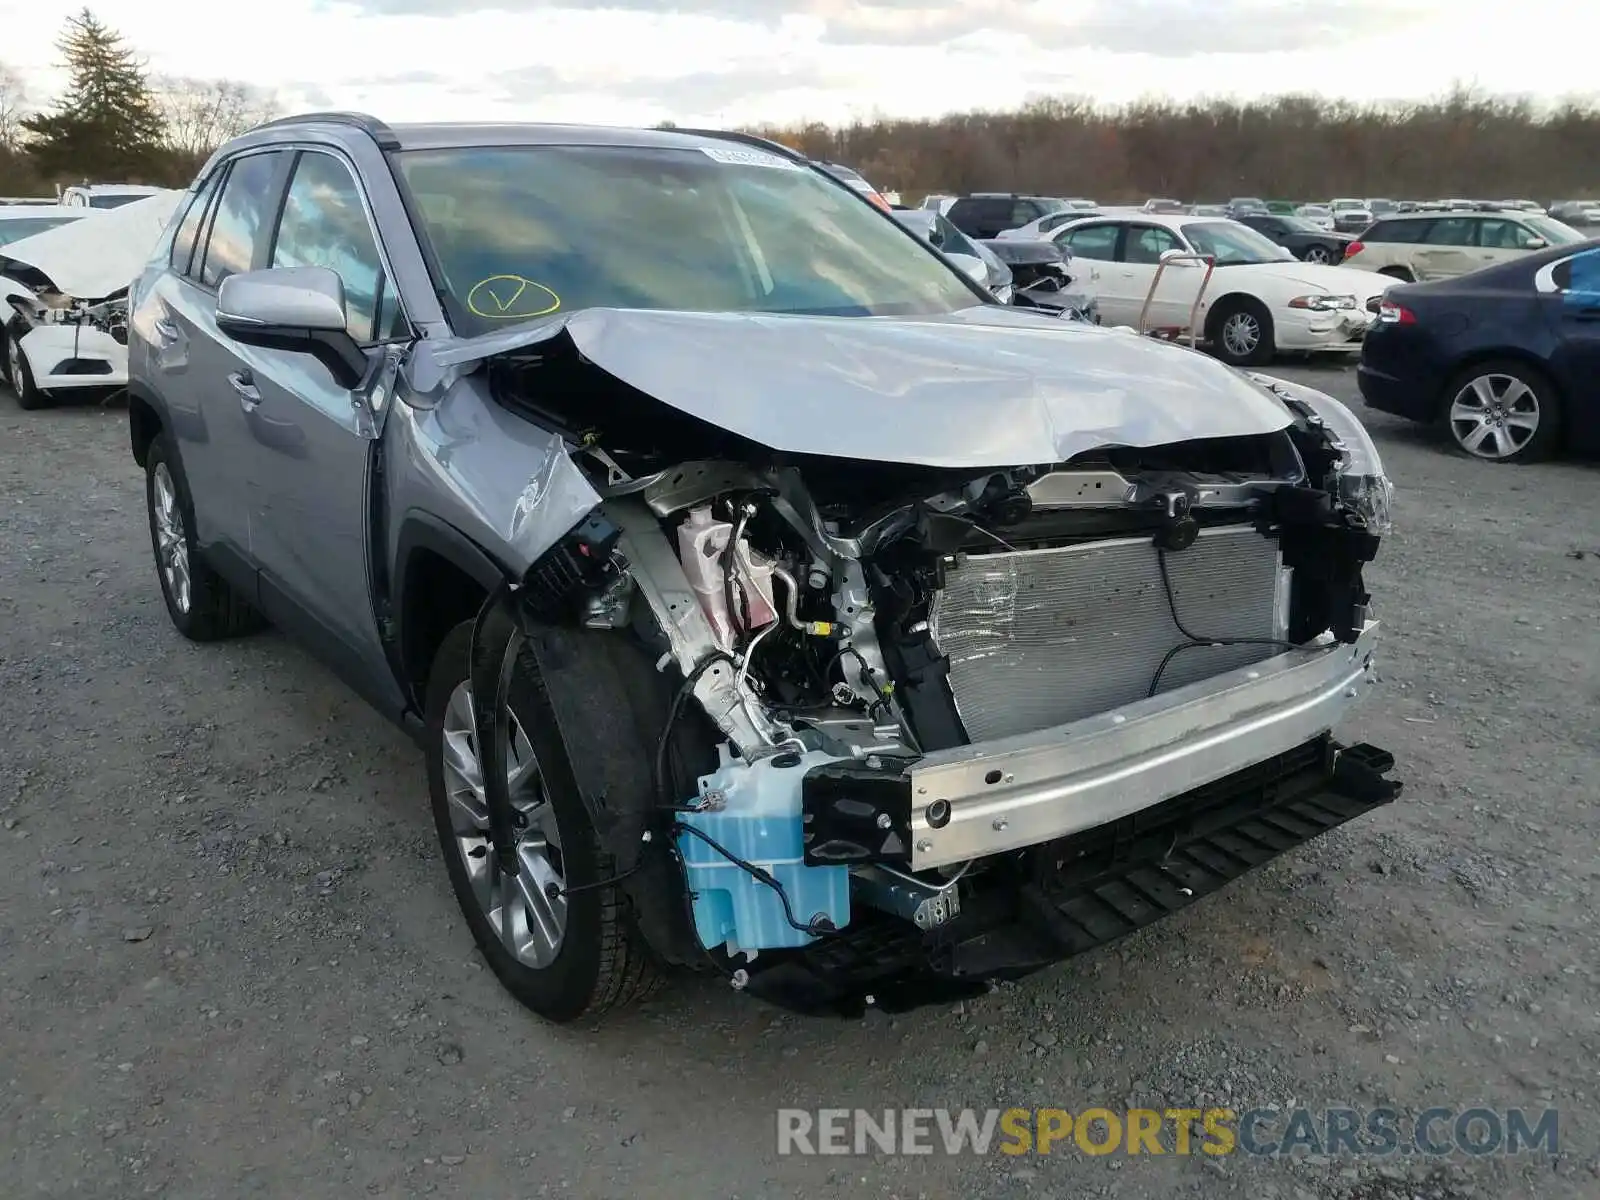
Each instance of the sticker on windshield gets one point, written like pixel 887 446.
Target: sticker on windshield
pixel 509 298
pixel 735 156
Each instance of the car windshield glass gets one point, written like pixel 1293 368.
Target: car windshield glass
pixel 953 241
pixel 20 227
pixel 1557 233
pixel 1233 244
pixel 1299 225
pixel 524 231
pixel 112 201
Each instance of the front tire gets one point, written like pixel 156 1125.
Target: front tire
pixel 203 606
pixel 563 954
pixel 20 376
pixel 1240 332
pixel 1503 411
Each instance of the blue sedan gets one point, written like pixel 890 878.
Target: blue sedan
pixel 1506 358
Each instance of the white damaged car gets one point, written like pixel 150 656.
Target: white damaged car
pixel 1257 300
pixel 66 299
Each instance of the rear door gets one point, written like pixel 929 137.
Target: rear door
pixel 1451 249
pixel 1094 263
pixel 313 441
pixel 1572 299
pixel 195 366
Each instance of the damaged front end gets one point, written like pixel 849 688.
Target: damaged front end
pixel 928 725
pixel 67 342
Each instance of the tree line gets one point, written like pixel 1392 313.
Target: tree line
pixel 115 123
pixel 1465 143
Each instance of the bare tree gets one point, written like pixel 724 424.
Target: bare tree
pixel 13 104
pixel 201 114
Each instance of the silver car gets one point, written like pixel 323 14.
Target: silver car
pixel 765 599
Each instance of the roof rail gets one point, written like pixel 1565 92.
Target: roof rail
pixel 376 129
pixel 749 139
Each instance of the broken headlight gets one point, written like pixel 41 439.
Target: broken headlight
pixel 1363 487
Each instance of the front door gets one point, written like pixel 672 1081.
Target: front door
pixel 1142 248
pixel 310 476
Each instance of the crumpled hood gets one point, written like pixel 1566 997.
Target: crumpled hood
pixel 983 387
pixel 98 255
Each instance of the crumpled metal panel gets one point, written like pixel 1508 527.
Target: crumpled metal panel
pixel 982 387
pixel 1038 638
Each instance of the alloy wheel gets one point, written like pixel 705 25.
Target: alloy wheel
pixel 1318 254
pixel 528 910
pixel 13 363
pixel 1241 334
pixel 1494 416
pixel 172 546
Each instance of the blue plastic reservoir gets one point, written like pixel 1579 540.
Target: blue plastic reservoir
pixel 760 824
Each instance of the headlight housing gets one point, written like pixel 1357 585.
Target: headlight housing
pixel 1362 485
pixel 1323 303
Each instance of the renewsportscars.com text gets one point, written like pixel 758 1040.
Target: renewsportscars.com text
pixel 1258 1132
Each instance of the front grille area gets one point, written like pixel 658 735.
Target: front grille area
pixel 1040 637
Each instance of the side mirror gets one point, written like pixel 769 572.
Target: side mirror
pixel 1178 258
pixel 293 308
pixel 1537 243
pixel 972 267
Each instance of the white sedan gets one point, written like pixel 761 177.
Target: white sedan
pixel 1260 299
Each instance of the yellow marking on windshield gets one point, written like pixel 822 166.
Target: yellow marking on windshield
pixel 510 297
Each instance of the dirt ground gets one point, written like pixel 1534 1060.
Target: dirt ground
pixel 230 963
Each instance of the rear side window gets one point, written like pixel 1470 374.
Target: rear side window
pixel 239 228
pixel 1093 241
pixel 189 229
pixel 1453 231
pixel 982 218
pixel 1403 233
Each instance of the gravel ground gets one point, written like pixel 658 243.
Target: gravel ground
pixel 231 965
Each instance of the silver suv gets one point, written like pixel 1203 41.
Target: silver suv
pixel 766 598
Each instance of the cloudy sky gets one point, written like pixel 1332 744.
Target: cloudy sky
pixel 745 61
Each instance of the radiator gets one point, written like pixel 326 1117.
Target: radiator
pixel 1040 637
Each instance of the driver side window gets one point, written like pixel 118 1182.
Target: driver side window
pixel 1147 243
pixel 324 224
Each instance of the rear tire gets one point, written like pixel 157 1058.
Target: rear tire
pixel 203 606
pixel 1318 254
pixel 601 961
pixel 1503 411
pixel 1240 332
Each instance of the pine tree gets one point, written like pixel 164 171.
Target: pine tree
pixel 106 126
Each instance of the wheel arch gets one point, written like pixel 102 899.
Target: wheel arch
pixel 145 421
pixel 441 578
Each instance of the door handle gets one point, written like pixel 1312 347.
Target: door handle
pixel 166 331
pixel 249 394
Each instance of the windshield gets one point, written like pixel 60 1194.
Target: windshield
pixel 524 231
pixel 1346 205
pixel 1379 207
pixel 1232 244
pixel 18 228
pixel 113 201
pixel 1300 225
pixel 1557 233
